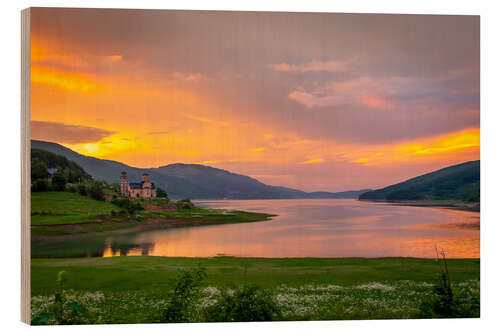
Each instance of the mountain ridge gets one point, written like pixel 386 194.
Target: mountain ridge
pixel 194 181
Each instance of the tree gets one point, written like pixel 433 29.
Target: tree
pixel 160 193
pixel 96 192
pixel 40 185
pixel 38 169
pixel 59 181
pixel 82 189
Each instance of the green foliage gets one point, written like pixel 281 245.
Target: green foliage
pixel 82 189
pixel 443 303
pixel 246 303
pixel 38 169
pixel 130 206
pixel 59 181
pixel 96 192
pixel 186 293
pixel 160 193
pixel 184 204
pixel 115 188
pixel 62 311
pixel 40 185
pixel 72 171
pixel 458 182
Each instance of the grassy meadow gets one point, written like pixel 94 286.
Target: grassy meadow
pixel 49 208
pixel 66 213
pixel 136 289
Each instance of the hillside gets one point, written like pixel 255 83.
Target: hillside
pixel 192 181
pixel 59 162
pixel 457 182
pixel 65 208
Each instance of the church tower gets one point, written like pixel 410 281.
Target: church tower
pixel 124 184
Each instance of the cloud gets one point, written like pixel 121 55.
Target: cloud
pixel 315 160
pixel 78 82
pixel 331 66
pixel 64 133
pixel 159 133
pixel 205 120
pixel 386 92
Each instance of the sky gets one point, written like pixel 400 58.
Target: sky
pixel 312 101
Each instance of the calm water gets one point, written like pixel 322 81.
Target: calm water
pixel 303 228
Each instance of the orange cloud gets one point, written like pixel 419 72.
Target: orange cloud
pixel 447 146
pixel 376 102
pixel 315 160
pixel 78 82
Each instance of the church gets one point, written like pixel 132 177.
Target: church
pixel 144 189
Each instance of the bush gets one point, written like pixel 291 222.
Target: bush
pixel 160 193
pixel 443 303
pixel 71 188
pixel 247 303
pixel 62 311
pixel 130 206
pixel 186 293
pixel 184 204
pixel 82 189
pixel 40 185
pixel 38 169
pixel 96 192
pixel 59 181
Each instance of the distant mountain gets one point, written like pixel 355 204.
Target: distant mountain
pixel 192 181
pixel 457 182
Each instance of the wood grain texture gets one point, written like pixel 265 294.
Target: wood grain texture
pixel 25 166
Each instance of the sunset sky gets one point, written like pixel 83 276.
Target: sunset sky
pixel 310 101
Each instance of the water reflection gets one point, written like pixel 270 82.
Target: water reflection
pixel 304 228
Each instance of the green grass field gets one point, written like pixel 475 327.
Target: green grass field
pixel 65 213
pixel 134 289
pixel 48 208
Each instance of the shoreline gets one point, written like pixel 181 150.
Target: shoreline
pixel 58 232
pixel 472 207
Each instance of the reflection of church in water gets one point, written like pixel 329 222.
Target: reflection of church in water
pixel 144 189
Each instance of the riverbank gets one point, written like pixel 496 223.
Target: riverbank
pixel 65 215
pixel 145 220
pixel 304 288
pixel 452 204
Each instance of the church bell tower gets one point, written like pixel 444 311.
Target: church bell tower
pixel 124 184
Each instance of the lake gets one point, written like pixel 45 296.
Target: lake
pixel 303 228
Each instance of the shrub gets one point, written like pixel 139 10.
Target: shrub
pixel 130 206
pixel 96 192
pixel 71 188
pixel 82 189
pixel 180 307
pixel 61 311
pixel 160 193
pixel 38 169
pixel 40 185
pixel 443 303
pixel 59 181
pixel 184 204
pixel 247 303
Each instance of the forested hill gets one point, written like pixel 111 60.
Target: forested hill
pixel 54 161
pixel 457 182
